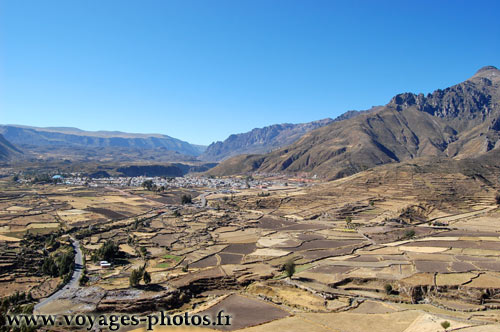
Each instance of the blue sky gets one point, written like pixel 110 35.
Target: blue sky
pixel 202 70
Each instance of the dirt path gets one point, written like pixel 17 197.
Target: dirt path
pixel 455 217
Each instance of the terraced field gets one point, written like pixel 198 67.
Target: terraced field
pixel 386 249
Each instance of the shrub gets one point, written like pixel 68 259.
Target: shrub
pixel 497 198
pixel 135 277
pixel 410 233
pixel 388 289
pixel 289 268
pixel 186 199
pixel 348 221
pixel 445 325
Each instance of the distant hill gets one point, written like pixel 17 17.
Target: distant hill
pixel 40 141
pixel 7 150
pixel 457 122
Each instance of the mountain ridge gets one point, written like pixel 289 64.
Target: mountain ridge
pixel 268 138
pixel 460 121
pixel 74 137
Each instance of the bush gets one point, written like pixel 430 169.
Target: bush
pixel 388 289
pixel 289 268
pixel 445 325
pixel 410 233
pixel 135 277
pixel 186 199
pixel 497 198
pixel 348 221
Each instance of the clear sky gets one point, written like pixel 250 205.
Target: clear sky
pixel 202 70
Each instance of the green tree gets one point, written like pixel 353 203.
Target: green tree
pixel 144 251
pixel 83 279
pixel 146 277
pixel 49 267
pixel 289 268
pixel 348 221
pixel 108 251
pixel 148 184
pixel 445 325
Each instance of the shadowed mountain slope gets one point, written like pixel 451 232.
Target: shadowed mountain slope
pixel 7 150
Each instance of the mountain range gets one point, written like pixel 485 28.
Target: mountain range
pixel 266 139
pixel 458 122
pixel 76 144
pixel 30 137
pixel 260 140
pixel 462 121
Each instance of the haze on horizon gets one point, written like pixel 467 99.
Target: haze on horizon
pixel 200 71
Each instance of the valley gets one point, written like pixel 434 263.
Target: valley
pixel 405 246
pixel 385 219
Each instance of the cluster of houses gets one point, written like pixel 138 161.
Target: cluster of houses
pixel 230 183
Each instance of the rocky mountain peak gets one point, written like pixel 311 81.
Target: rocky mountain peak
pixel 489 72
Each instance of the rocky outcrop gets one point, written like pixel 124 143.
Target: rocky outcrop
pixel 124 301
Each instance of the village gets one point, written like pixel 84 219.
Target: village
pixel 162 183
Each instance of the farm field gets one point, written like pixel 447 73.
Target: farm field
pixel 368 252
